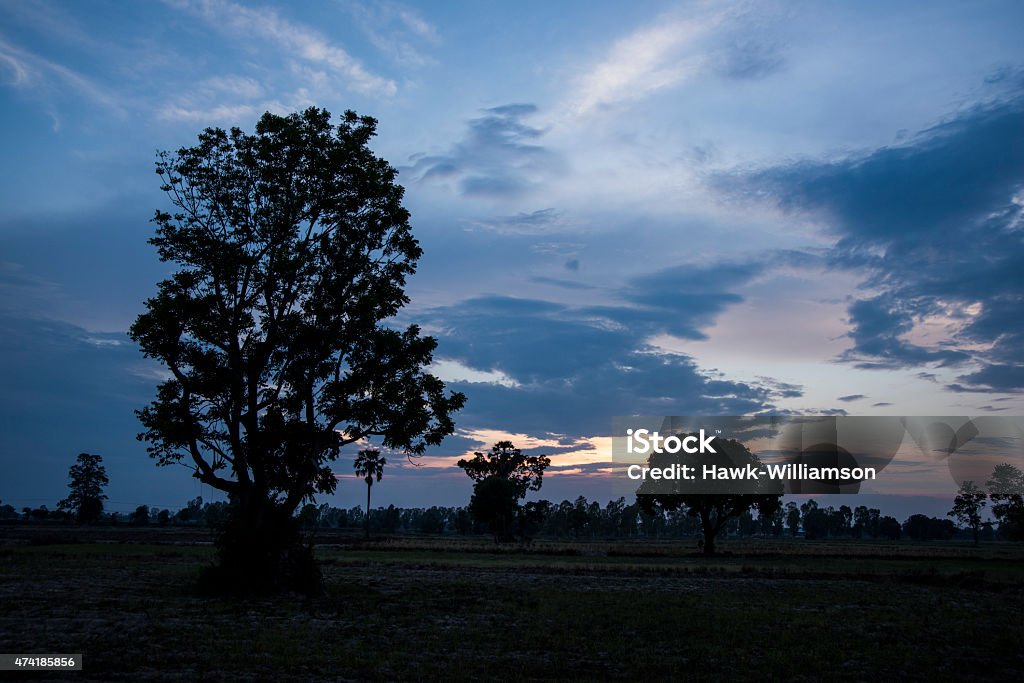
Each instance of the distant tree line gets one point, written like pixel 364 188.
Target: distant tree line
pixel 581 519
pixel 499 512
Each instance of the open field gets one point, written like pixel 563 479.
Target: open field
pixel 415 608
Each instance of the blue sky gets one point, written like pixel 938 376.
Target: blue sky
pixel 660 208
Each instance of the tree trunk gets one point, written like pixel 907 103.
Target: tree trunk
pixel 369 486
pixel 709 542
pixel 260 551
pixel 709 532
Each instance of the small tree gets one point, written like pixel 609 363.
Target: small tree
pixel 503 477
pixel 793 518
pixel 88 477
pixel 1006 491
pixel 141 516
pixel 714 509
pixel 967 507
pixel 369 465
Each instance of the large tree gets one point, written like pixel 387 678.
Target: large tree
pixel 88 477
pixel 292 250
pixel 713 503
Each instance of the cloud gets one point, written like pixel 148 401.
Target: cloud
pixel 523 223
pixel 673 51
pixel 297 41
pixel 878 325
pixel 992 377
pixel 397 31
pixel 565 284
pixel 937 226
pixel 645 61
pixel 574 367
pixel 499 156
pixel 749 60
pixel 851 398
pixel 51 80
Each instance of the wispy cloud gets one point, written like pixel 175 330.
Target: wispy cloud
pixel 31 72
pixel 652 58
pixel 397 31
pixel 228 99
pixel 498 157
pixel 297 41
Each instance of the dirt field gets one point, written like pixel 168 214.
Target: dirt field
pixel 418 608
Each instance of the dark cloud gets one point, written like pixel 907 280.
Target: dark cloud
pixel 556 282
pixel 937 223
pixel 750 60
pixel 523 223
pixel 499 156
pixel 576 367
pixel 779 390
pixel 682 299
pixel 993 377
pixel 851 397
pixel 877 327
pixel 881 404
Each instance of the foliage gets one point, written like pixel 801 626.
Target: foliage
pixel 369 465
pixel 503 477
pixel 713 509
pixel 924 528
pixel 292 250
pixel 889 528
pixel 495 503
pixel 967 507
pixel 525 472
pixel 1006 490
pixel 88 477
pixel 792 518
pixel 141 516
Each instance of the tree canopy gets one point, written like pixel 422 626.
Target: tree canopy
pixel 1006 490
pixel 967 507
pixel 88 477
pixel 525 472
pixel 503 477
pixel 714 504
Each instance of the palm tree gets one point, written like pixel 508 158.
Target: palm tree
pixel 369 464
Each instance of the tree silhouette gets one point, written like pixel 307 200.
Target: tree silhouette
pixel 1006 490
pixel 88 477
pixel 792 518
pixel 141 516
pixel 714 508
pixel 503 477
pixel 369 465
pixel 292 250
pixel 967 507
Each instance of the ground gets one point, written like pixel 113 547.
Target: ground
pixel 453 608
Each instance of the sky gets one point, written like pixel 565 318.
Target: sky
pixel 652 208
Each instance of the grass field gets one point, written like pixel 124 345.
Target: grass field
pixel 415 608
